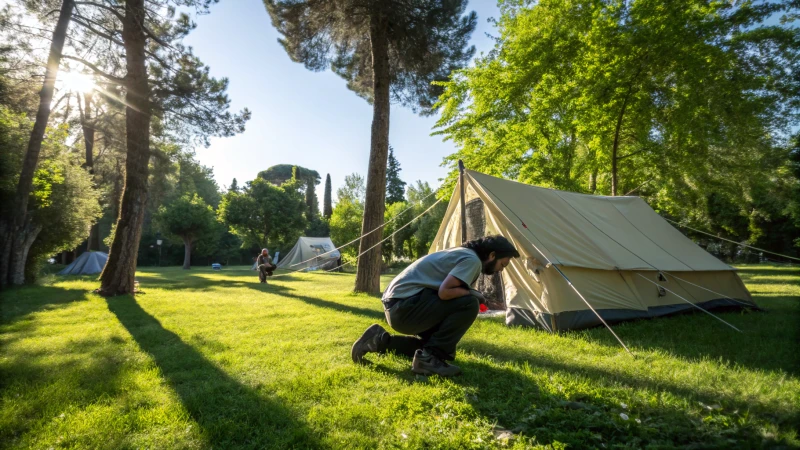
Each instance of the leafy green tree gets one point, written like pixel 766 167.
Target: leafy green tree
pixel 14 236
pixel 426 227
pixel 397 245
pixel 327 208
pixel 388 50
pixel 395 187
pixel 353 189
pixel 63 203
pixel 189 218
pixel 283 173
pixel 607 96
pixel 345 224
pixel 263 213
pixel 308 178
pixel 686 104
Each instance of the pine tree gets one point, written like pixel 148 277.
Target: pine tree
pixel 386 50
pixel 234 187
pixel 395 187
pixel 327 210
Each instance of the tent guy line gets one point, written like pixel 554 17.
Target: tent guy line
pixel 569 283
pixel 365 251
pixel 372 231
pixel 733 242
pixel 642 259
pixel 389 237
pixel 705 289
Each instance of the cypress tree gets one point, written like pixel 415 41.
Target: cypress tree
pixel 395 187
pixel 312 204
pixel 327 204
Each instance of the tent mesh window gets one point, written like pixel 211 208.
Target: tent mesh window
pixel 491 286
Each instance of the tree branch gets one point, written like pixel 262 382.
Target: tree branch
pixel 117 80
pixel 79 20
pixel 630 154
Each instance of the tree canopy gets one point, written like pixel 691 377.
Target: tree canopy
pixel 262 213
pixel 689 104
pixel 190 218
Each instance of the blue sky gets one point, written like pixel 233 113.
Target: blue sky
pixel 302 117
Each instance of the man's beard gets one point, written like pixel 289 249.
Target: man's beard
pixel 489 268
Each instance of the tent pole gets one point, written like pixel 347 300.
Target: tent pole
pixel 463 202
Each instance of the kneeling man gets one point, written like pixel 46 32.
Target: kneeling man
pixel 431 303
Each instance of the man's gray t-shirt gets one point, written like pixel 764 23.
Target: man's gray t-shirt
pixel 431 270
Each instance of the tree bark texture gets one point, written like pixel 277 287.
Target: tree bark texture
pixel 369 264
pixel 491 286
pixel 11 254
pixel 93 242
pixel 187 253
pixel 118 274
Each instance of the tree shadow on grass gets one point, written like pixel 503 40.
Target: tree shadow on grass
pixel 201 283
pixel 603 378
pixel 19 304
pixel 230 414
pixel 516 402
pixel 335 306
pixel 35 381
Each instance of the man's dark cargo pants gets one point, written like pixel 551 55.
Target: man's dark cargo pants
pixel 434 324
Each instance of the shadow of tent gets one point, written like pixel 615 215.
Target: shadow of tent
pixel 229 413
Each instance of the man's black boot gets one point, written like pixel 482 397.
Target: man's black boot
pixel 428 364
pixel 373 340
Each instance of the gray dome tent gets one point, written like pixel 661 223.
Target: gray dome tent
pixel 311 253
pixel 87 264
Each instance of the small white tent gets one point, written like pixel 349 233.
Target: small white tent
pixel 311 253
pixel 626 260
pixel 87 264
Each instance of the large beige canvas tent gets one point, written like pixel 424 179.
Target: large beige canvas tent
pixel 311 253
pixel 625 259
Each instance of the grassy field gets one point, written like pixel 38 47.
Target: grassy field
pixel 207 359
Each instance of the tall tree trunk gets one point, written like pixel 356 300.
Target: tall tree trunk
pixel 615 149
pixel 93 242
pixel 11 254
pixel 118 274
pixel 369 264
pixel 25 240
pixel 187 253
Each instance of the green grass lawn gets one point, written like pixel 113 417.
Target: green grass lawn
pixel 207 359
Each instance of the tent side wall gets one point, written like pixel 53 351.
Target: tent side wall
pixel 537 295
pixel 307 250
pixel 620 296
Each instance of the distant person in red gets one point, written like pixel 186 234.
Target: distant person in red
pixel 432 305
pixel 265 266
